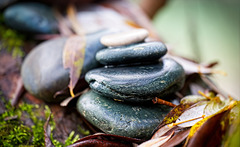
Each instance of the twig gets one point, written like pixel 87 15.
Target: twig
pixel 175 124
pixel 163 102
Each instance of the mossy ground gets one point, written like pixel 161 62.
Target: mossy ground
pixel 24 125
pixel 11 40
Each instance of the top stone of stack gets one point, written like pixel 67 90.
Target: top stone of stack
pixel 124 38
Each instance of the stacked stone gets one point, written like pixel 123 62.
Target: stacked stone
pixel 133 75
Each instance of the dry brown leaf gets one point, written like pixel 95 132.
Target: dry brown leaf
pixel 191 67
pixel 195 111
pixel 73 59
pixel 106 140
pixel 156 142
pixel 211 132
pixel 177 138
pixel 160 132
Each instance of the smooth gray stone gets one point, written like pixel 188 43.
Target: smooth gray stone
pixel 31 17
pixel 43 73
pixel 137 53
pixel 120 118
pixel 137 83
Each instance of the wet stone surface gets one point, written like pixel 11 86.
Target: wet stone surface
pixel 125 38
pixel 137 53
pixel 137 83
pixel 31 17
pixel 118 118
pixel 43 73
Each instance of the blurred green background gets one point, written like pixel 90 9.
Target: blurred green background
pixel 206 31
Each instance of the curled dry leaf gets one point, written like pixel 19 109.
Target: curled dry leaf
pixel 190 114
pixel 156 142
pixel 177 138
pixel 210 133
pixel 73 59
pixel 191 67
pixel 212 118
pixel 233 132
pixel 106 140
pixel 195 111
pixel 205 105
pixel 175 113
pixel 192 99
pixel 163 130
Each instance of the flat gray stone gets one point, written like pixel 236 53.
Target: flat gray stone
pixel 43 73
pixel 120 118
pixel 124 38
pixel 137 83
pixel 31 17
pixel 137 53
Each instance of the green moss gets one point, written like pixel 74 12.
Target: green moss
pixel 14 134
pixel 70 140
pixel 10 39
pixel 82 131
pixel 13 131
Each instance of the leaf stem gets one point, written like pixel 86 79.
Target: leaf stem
pixel 204 95
pixel 71 92
pixel 175 124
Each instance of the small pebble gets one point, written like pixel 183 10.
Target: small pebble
pixel 137 53
pixel 118 118
pixel 124 38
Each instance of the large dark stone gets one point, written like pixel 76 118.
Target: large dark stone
pixel 120 118
pixel 43 73
pixel 137 83
pixel 31 17
pixel 137 53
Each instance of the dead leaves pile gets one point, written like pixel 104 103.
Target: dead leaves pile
pixel 197 121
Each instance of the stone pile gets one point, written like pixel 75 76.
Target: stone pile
pixel 119 101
